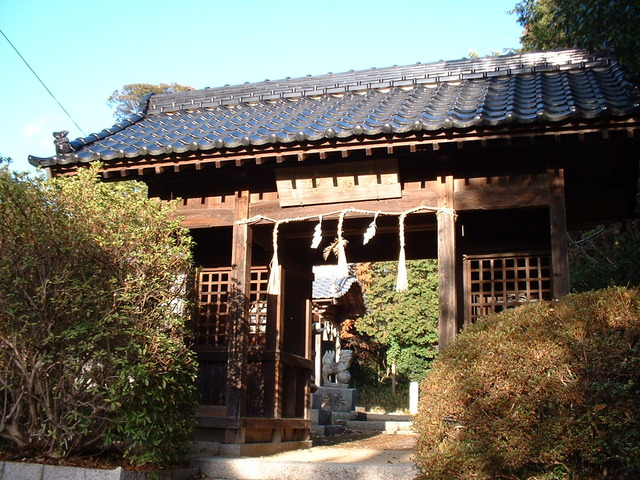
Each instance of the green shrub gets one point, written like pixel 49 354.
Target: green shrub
pixel 379 397
pixel 92 280
pixel 547 390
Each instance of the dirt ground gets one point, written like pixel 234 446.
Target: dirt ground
pixel 359 440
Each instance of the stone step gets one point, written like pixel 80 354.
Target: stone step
pixel 344 464
pixel 397 417
pixel 385 426
pixel 316 415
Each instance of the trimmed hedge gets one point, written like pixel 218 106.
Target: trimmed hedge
pixel 544 391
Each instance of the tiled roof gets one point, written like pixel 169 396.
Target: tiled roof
pixel 532 88
pixel 327 283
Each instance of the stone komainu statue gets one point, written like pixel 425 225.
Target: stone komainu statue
pixel 338 370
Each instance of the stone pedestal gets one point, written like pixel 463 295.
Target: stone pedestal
pixel 335 399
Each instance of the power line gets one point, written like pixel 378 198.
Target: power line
pixel 45 87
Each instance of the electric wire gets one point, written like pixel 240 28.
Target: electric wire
pixel 43 84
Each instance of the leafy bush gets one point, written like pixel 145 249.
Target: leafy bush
pixel 92 280
pixel 547 390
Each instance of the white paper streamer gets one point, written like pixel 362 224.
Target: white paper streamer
pixel 338 247
pixel 371 231
pixel 317 234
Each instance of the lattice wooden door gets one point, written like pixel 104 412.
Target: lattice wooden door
pixel 210 327
pixel 497 282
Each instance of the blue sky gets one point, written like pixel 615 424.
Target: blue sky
pixel 84 50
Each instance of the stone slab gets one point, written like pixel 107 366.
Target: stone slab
pixel 272 468
pixel 346 416
pixel 321 417
pixel 261 449
pixel 36 471
pixel 22 471
pixel 335 399
pixel 61 472
pixel 380 426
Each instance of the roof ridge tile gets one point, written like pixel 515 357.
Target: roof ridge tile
pixel 366 79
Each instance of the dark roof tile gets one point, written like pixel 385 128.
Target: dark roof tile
pixel 494 91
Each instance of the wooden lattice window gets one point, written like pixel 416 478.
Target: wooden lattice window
pixel 497 282
pixel 211 322
pixel 258 306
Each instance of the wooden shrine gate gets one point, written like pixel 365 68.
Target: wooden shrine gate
pixel 484 164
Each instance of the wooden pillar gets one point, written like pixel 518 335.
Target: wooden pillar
pixel 240 284
pixel 318 359
pixel 559 240
pixel 307 354
pixel 273 374
pixel 447 324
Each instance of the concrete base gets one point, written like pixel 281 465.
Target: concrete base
pixel 36 471
pixel 335 399
pixel 320 417
pixel 205 448
pixel 378 466
pixel 347 416
pixel 260 449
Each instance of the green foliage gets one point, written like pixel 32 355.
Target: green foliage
pixel 92 285
pixel 126 101
pixel 379 397
pixel 547 390
pixel 606 256
pixel 590 24
pixel 405 323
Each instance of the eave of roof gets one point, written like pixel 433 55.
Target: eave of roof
pixel 331 288
pixel 534 89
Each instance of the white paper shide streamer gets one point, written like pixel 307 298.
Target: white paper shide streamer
pixel 402 283
pixel 337 247
pixel 317 234
pixel 371 231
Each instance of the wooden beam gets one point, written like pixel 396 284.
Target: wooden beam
pixel 501 197
pixel 447 323
pixel 559 238
pixel 240 285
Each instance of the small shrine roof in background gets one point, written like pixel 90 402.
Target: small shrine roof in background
pixel 329 286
